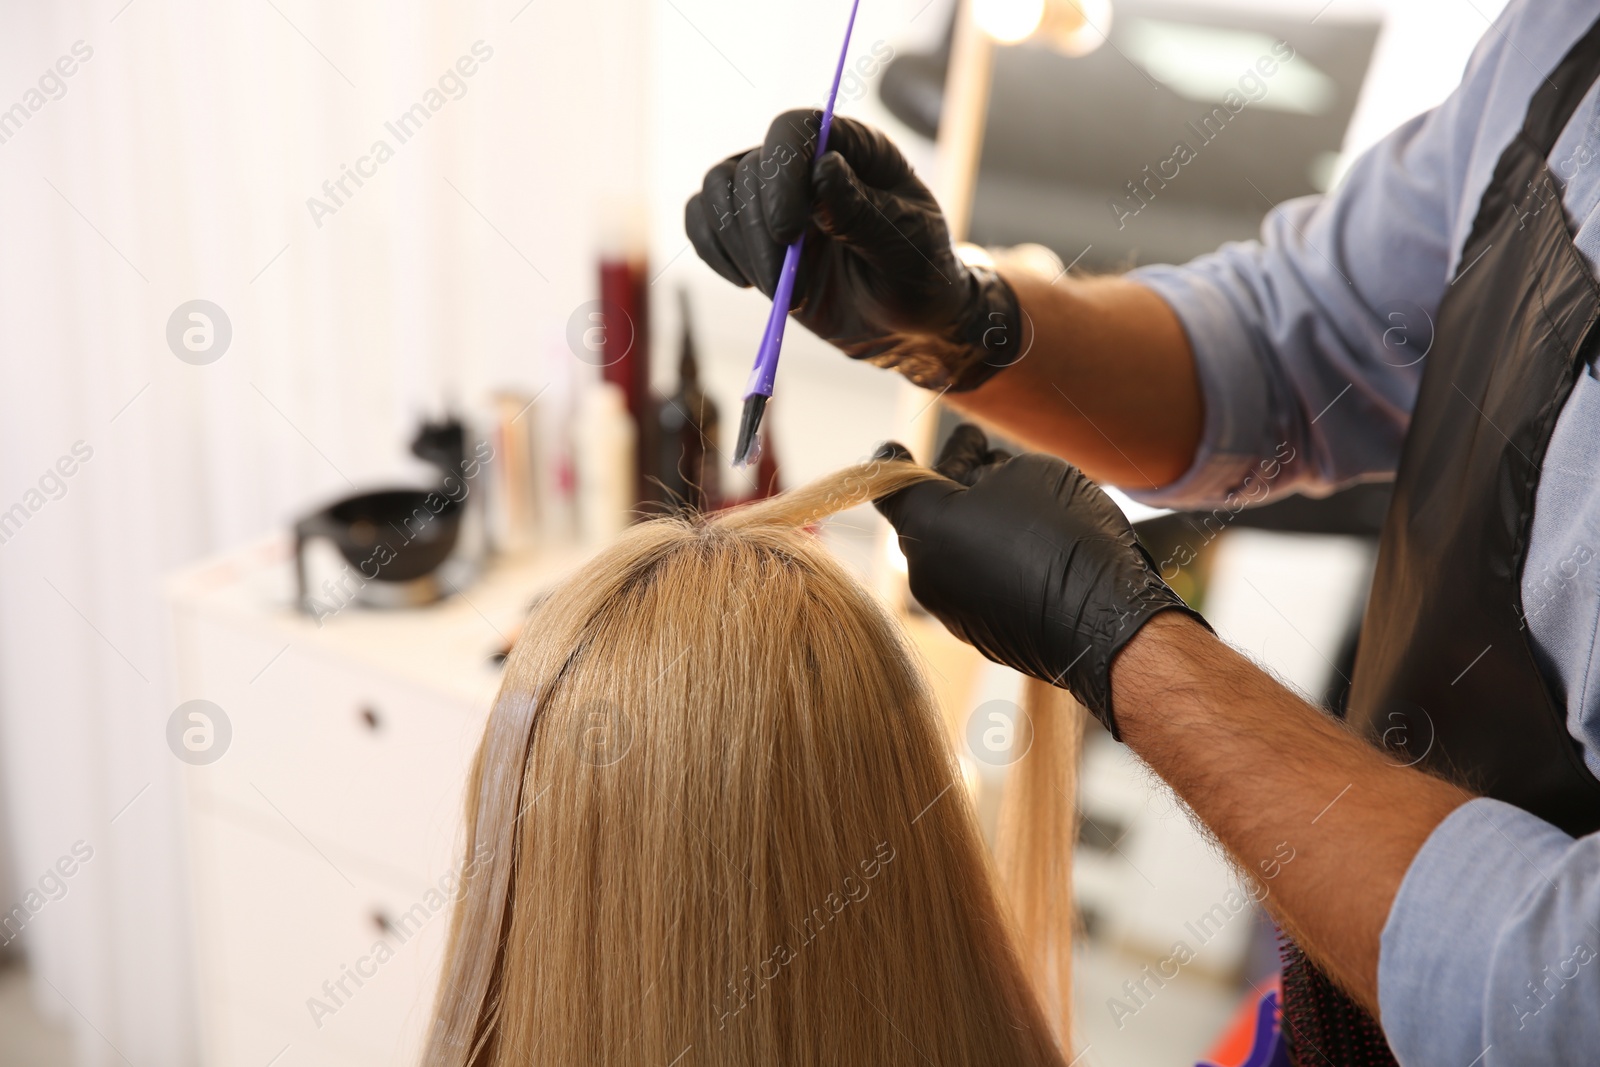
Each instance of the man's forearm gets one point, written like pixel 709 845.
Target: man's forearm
pixel 1108 383
pixel 1261 767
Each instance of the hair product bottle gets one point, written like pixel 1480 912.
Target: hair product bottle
pixel 625 357
pixel 688 456
pixel 603 453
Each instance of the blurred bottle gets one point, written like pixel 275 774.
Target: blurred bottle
pixel 688 453
pixel 625 307
pixel 512 497
pixel 603 450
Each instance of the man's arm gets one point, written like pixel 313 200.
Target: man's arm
pixel 1178 382
pixel 1259 766
pixel 1478 923
pixel 1109 380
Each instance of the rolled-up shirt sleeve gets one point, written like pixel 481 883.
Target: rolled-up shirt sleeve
pixel 1310 342
pixel 1491 954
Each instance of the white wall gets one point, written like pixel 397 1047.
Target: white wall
pixel 178 165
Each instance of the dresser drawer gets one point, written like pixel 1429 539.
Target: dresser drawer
pixel 235 1035
pixel 299 951
pixel 354 762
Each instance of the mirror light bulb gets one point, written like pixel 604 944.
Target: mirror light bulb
pixel 1077 27
pixel 1008 21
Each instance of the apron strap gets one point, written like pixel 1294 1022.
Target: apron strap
pixel 1560 94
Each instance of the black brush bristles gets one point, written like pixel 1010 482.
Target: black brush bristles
pixel 748 449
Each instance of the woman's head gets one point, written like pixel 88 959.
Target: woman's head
pixel 724 824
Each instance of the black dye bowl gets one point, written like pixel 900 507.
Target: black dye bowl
pixel 395 535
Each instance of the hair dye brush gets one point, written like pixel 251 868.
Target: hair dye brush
pixel 765 371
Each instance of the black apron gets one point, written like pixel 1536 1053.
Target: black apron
pixel 1445 677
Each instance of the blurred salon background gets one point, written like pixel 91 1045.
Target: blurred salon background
pixel 331 334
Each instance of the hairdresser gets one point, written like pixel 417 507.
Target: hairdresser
pixel 1431 320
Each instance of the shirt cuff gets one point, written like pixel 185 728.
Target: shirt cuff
pixel 1435 958
pixel 1231 383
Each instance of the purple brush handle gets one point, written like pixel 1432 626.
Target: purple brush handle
pixel 766 365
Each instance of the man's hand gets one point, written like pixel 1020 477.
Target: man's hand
pixel 1028 561
pixel 879 277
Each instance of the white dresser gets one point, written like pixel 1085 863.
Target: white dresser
pixel 323 840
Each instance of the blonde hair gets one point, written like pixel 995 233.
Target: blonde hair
pixel 717 820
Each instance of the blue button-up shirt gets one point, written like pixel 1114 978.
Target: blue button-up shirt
pixel 1491 954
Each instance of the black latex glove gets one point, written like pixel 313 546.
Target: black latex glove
pixel 1025 559
pixel 879 277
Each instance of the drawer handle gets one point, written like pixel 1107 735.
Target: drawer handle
pixel 369 716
